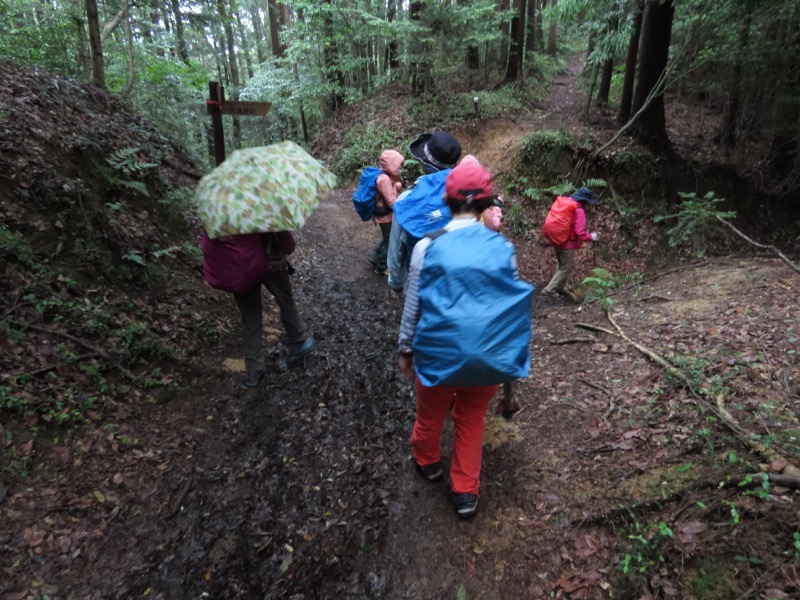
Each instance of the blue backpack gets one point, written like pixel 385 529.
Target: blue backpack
pixel 422 209
pixel 475 321
pixel 366 192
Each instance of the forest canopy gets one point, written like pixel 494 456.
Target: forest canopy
pixel 311 59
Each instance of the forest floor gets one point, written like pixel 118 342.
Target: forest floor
pixel 614 480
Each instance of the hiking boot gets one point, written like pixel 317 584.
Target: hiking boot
pixel 432 472
pixel 466 505
pixel 252 381
pixel 303 350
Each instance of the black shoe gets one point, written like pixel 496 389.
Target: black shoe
pixel 252 381
pixel 466 505
pixel 304 350
pixel 432 472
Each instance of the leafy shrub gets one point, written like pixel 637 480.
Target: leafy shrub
pixel 696 219
pixel 362 146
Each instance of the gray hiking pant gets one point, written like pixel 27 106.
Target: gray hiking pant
pixel 280 286
pixel 565 259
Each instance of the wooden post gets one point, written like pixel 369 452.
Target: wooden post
pixel 216 98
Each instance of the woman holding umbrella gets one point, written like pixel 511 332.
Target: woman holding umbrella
pixel 249 205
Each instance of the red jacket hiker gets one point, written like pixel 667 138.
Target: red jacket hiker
pixel 565 230
pixel 565 225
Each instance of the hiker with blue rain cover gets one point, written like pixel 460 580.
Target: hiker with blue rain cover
pixel 466 328
pixel 421 208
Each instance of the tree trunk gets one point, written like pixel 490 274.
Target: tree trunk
pixel 552 36
pixel 517 45
pixel 650 128
pixel 131 60
pixel 511 68
pixel 331 58
pixel 274 37
pixel 179 35
pixel 605 83
pixel 727 134
pixel 530 30
pixel 630 67
pixel 98 66
pixel 391 62
pixel 504 35
pixel 258 30
pixel 82 57
pixel 155 20
pixel 230 41
pixel 520 38
pixel 245 44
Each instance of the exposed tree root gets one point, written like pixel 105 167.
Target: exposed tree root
pixel 578 340
pixel 763 246
pixel 718 407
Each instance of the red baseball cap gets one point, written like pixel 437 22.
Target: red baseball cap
pixel 470 181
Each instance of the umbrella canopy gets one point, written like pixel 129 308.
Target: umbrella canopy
pixel 271 188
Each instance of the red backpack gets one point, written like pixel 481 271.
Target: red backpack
pixel 234 264
pixel 558 225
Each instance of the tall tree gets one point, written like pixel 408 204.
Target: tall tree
pixel 391 61
pixel 516 52
pixel 334 74
pixel 650 128
pixel 505 28
pixel 258 31
pixel 530 29
pixel 552 34
pixel 274 28
pixel 98 64
pixel 626 100
pixel 727 134
pixel 179 34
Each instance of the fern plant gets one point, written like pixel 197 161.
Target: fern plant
pixel 696 218
pixel 126 161
pixel 599 284
pixel 125 164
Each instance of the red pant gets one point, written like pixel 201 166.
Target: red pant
pixel 469 407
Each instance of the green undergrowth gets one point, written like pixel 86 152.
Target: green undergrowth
pixel 72 348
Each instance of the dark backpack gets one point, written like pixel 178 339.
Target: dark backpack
pixel 475 314
pixel 234 264
pixel 366 192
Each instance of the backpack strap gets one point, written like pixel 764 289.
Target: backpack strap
pixel 437 233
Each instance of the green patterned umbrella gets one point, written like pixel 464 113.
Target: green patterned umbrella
pixel 271 188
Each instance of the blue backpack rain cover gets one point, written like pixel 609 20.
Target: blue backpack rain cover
pixel 475 323
pixel 366 192
pixel 423 210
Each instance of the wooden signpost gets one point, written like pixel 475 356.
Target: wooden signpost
pixel 217 106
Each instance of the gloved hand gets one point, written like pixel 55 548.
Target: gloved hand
pixel 595 236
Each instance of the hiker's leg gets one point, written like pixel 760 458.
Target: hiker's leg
pixel 396 257
pixel 433 404
pixel 382 249
pixel 468 417
pixel 249 305
pixel 280 286
pixel 565 259
pixel 372 258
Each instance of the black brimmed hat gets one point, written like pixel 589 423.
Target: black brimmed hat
pixel 584 195
pixel 438 150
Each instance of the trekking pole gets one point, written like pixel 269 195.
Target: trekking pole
pixel 594 257
pixel 509 406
